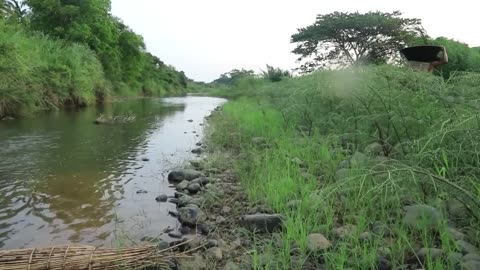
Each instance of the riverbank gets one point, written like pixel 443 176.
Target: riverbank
pixel 370 169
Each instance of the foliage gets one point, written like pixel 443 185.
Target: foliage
pixel 121 51
pixel 231 77
pixel 340 39
pixel 38 73
pixel 275 74
pixel 370 141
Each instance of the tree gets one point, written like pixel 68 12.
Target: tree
pixel 341 39
pixel 234 75
pixel 275 74
pixel 12 9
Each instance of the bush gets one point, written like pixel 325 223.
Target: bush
pixel 275 74
pixel 38 73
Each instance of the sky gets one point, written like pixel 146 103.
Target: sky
pixel 206 38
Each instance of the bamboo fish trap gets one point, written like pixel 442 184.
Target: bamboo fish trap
pixel 80 257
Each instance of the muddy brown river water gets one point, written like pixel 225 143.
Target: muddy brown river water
pixel 65 180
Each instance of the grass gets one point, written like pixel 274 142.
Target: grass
pixel 402 138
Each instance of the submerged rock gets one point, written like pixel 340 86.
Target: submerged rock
pixel 317 242
pixel 191 215
pixel 262 222
pixel 185 174
pixel 197 151
pixel 161 198
pixel 422 216
pixel 190 120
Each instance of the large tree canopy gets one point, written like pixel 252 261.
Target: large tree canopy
pixel 340 39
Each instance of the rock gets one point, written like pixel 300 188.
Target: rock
pixel 384 252
pixel 198 144
pixel 202 181
pixel 183 185
pixel 365 236
pixel 214 253
pixel 145 159
pixel 192 263
pixel 205 229
pixel 173 200
pixel 163 245
pixel 173 214
pixel 434 253
pixel 185 200
pixel 345 231
pixel 293 204
pixel 185 174
pixel 259 141
pixel 307 176
pixel 358 160
pixel 194 188
pixel 142 191
pixel 262 222
pixel 231 266
pixel 197 151
pixel 456 209
pixel 226 209
pixel 471 265
pixel 454 257
pixel 197 164
pixel 342 174
pixel 374 149
pixel 190 120
pixel 175 235
pixel 422 216
pixel 471 257
pixel 161 198
pixel 191 215
pixel 297 161
pixel 455 234
pixel 381 229
pixel 317 242
pixel 466 247
pixel 212 243
pixel 8 118
pixel 383 264
pixel 344 164
pixel 185 230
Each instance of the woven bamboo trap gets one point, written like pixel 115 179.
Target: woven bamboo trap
pixel 80 257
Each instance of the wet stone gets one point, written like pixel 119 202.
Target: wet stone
pixel 161 198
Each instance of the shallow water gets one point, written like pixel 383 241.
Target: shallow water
pixel 65 180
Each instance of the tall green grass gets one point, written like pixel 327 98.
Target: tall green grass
pixel 371 142
pixel 40 73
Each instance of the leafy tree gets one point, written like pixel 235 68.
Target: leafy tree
pixel 12 9
pixel 275 74
pixel 234 75
pixel 341 39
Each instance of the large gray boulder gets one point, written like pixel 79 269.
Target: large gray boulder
pixel 191 215
pixel 184 174
pixel 262 223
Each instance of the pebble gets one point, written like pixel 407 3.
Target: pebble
pixel 226 209
pixel 161 198
pixel 175 235
pixel 215 253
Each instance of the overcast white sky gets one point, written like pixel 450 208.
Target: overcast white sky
pixel 205 38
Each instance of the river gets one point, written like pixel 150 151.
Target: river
pixel 64 179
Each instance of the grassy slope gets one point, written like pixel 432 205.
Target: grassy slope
pixel 403 138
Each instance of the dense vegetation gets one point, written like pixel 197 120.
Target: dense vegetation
pixel 343 153
pixel 60 52
pixel 380 159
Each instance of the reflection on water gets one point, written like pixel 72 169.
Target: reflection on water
pixel 64 179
